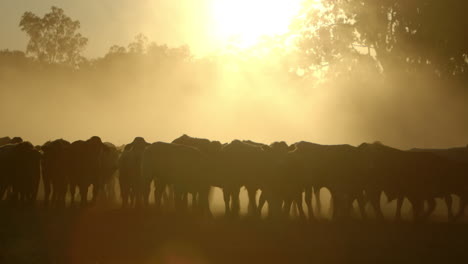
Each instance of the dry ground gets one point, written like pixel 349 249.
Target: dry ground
pixel 143 236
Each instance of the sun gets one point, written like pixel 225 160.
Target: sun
pixel 246 21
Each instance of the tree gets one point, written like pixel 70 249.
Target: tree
pixel 53 38
pixel 402 35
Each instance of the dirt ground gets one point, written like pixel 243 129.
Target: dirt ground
pixel 142 236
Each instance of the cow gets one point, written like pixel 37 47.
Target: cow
pixel 456 175
pixel 56 169
pixel 133 188
pixel 417 176
pixel 186 168
pixel 339 168
pixel 246 163
pixel 86 165
pixel 110 162
pixel 8 140
pixel 211 149
pixel 20 171
pixel 282 186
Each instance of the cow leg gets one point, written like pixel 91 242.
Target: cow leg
pixel 146 192
pixel 461 211
pixel 346 204
pixel 431 207
pixel 227 201
pixel 252 207
pixel 47 188
pixel 340 205
pixel 124 189
pixel 400 200
pixel 15 195
pixel 141 191
pixel 318 202
pixel 53 197
pixel 34 190
pixel 204 202
pixel 308 200
pixel 287 207
pixel 180 198
pixel 361 204
pixel 299 206
pixel 96 191
pixel 158 192
pixel 131 197
pixel 177 199
pixel 62 194
pixel 195 201
pixel 2 191
pixel 374 198
pixel 168 197
pixel 83 194
pixel 417 208
pixel 138 195
pixel 449 203
pixel 274 207
pixel 111 189
pixel 334 205
pixel 261 202
pixel 235 204
pixel 56 196
pixel 196 206
pixel 72 193
pixel 184 201
pixel 124 193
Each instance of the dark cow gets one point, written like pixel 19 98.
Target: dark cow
pixel 205 145
pixel 456 175
pixel 87 167
pixel 20 171
pixel 339 168
pixel 8 140
pixel 5 140
pixel 212 151
pixel 417 176
pixel 246 163
pixel 133 187
pixel 184 167
pixel 282 186
pixel 110 163
pixel 56 170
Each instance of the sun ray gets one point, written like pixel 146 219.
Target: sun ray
pixel 246 21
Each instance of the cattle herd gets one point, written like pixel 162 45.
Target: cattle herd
pixel 193 166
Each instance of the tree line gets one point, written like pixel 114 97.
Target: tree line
pixel 342 35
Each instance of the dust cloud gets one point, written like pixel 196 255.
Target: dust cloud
pixel 121 96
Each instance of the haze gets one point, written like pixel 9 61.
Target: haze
pixel 242 79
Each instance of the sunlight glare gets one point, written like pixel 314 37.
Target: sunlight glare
pixel 245 21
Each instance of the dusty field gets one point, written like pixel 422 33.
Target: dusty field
pixel 142 236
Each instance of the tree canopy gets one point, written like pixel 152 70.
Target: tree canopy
pixel 399 34
pixel 54 38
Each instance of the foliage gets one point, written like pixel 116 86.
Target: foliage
pixel 399 34
pixel 54 38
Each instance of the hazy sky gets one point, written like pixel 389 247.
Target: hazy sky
pixel 205 25
pixel 238 100
pixel 108 22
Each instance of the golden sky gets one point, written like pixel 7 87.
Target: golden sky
pixel 205 25
pixel 240 99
